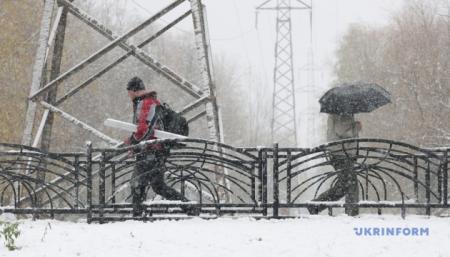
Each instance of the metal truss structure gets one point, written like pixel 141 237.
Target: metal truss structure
pixel 283 127
pixel 52 33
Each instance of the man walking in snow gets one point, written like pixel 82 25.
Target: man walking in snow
pixel 342 159
pixel 150 162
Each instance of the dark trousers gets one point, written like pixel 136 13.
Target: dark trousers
pixel 346 185
pixel 149 170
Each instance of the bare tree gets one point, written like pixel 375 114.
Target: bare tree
pixel 409 57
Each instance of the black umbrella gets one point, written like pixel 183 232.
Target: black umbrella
pixel 348 99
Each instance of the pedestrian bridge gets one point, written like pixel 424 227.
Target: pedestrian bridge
pixel 266 182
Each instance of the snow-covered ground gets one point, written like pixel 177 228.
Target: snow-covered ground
pixel 319 236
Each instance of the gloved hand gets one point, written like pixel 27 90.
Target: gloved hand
pixel 130 140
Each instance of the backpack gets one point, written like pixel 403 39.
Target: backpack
pixel 172 121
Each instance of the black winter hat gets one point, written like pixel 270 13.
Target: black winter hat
pixel 135 84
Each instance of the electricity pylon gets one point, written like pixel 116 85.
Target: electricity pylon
pixel 283 127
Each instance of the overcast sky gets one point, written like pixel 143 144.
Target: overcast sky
pixel 233 32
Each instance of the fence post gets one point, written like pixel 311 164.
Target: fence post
pixel 102 186
pixel 288 177
pixel 403 209
pixel 183 184
pixel 445 178
pixel 276 197
pixel 428 191
pixel 89 181
pixel 439 176
pixel 77 181
pixel 113 183
pixel 416 179
pixel 260 187
pixel 253 185
pixel 263 167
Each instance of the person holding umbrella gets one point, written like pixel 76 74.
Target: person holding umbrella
pixel 340 127
pixel 341 103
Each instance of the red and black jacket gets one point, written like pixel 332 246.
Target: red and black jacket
pixel 146 118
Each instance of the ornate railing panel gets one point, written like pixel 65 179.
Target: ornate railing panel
pixel 215 177
pixel 35 182
pixel 389 174
pixel 220 179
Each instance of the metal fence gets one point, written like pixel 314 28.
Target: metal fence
pixel 392 177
